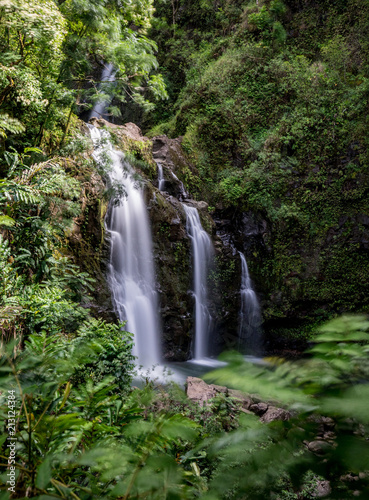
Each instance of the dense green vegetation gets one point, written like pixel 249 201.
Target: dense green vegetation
pixel 52 56
pixel 271 98
pixel 79 435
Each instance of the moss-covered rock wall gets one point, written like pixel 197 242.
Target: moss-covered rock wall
pixel 271 101
pixel 307 255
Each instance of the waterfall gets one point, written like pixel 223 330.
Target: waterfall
pixel 203 253
pixel 250 318
pixel 161 180
pixel 131 268
pixel 99 107
pixel 183 193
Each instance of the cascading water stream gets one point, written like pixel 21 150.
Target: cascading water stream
pixel 183 193
pixel 203 253
pixel 100 106
pixel 161 180
pixel 131 268
pixel 250 318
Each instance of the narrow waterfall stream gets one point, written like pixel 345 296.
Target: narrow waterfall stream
pixel 161 180
pixel 183 195
pixel 131 268
pixel 250 318
pixel 100 106
pixel 202 253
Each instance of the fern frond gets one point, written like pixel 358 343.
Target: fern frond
pixel 15 193
pixel 10 124
pixel 7 221
pixel 9 314
pixel 4 248
pixel 27 175
pixel 52 185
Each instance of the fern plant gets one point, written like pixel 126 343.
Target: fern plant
pixel 85 441
pixel 9 124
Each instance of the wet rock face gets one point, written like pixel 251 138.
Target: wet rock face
pixel 168 153
pixel 171 247
pixel 239 232
pixel 242 231
pixel 131 130
pixel 129 139
pixel 173 263
pixel 200 392
pixel 160 148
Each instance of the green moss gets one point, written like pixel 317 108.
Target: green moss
pixel 277 125
pixel 139 152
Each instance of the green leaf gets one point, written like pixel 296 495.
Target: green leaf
pixel 354 451
pixel 43 474
pixel 178 427
pixel 352 403
pixel 33 150
pixel 7 221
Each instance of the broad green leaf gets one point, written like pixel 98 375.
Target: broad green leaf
pixel 44 475
pixel 354 403
pixel 33 150
pixel 354 452
pixel 178 427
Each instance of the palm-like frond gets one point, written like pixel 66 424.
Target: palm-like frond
pixel 10 124
pixel 28 174
pixel 36 182
pixel 13 192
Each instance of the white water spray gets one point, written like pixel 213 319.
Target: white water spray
pixel 250 318
pixel 203 253
pixel 131 268
pixel 161 180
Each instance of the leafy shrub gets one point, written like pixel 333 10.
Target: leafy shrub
pixel 114 353
pixel 85 441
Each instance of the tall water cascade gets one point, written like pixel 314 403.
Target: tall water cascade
pixel 131 267
pixel 161 180
pixel 203 253
pixel 250 318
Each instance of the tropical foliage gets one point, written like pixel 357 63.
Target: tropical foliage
pixel 271 98
pixel 78 438
pixel 52 57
